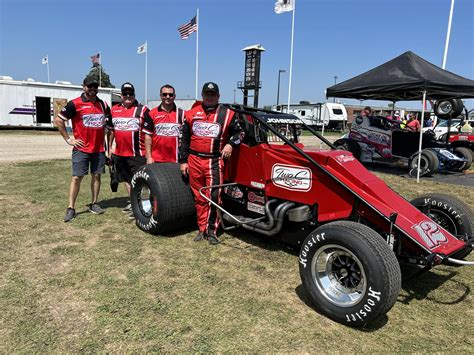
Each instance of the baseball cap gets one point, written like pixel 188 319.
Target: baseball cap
pixel 88 80
pixel 210 87
pixel 127 87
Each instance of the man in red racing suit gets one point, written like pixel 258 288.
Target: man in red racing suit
pixel 209 133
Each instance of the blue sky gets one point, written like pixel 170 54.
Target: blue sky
pixel 340 38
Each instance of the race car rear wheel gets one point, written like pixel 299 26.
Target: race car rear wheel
pixel 350 273
pixel 464 153
pixel 429 163
pixel 350 146
pixel 161 200
pixel 450 213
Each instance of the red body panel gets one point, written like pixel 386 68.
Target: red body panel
pixel 461 137
pixel 284 174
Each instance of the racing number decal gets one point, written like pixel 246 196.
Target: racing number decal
pixel 430 233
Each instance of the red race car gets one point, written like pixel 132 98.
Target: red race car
pixel 352 230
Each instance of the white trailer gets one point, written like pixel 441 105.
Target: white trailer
pixel 332 115
pixel 34 104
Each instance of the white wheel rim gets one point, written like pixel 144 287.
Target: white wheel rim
pixel 339 275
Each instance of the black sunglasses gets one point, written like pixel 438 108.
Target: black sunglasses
pixel 90 86
pixel 128 94
pixel 165 94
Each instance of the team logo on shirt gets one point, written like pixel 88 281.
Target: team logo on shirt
pixel 126 124
pixel 167 129
pixel 206 129
pixel 94 120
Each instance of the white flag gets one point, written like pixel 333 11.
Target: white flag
pixel 142 48
pixel 44 60
pixel 282 6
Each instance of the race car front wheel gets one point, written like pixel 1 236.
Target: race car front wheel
pixel 350 273
pixel 450 213
pixel 161 200
pixel 466 154
pixel 429 163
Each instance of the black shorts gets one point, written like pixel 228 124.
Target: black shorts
pixel 81 162
pixel 126 167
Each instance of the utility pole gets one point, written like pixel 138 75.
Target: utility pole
pixel 335 82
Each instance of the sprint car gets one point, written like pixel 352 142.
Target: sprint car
pixel 352 230
pixel 378 139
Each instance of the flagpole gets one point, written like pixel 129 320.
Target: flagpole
pixel 448 34
pixel 100 69
pixel 146 72
pixel 197 52
pixel 291 55
pixel 47 66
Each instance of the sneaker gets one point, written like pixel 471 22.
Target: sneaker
pixel 95 209
pixel 199 237
pixel 127 208
pixel 213 240
pixel 70 214
pixel 131 216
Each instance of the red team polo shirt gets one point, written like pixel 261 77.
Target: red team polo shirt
pixel 88 119
pixel 165 127
pixel 127 123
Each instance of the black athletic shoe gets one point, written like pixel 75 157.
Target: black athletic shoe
pixel 95 209
pixel 70 214
pixel 213 240
pixel 199 237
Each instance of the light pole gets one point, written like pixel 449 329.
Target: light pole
pixel 234 96
pixel 335 82
pixel 278 90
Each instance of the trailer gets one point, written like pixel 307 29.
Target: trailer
pixel 34 104
pixel 330 114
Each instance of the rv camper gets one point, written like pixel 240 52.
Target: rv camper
pixel 34 104
pixel 332 115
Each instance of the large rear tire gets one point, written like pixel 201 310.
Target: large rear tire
pixel 450 213
pixel 448 108
pixel 161 200
pixel 350 273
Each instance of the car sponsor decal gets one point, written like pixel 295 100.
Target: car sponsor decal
pixel 233 191
pixel 167 129
pixel 126 124
pixel 284 120
pixel 206 129
pixel 344 158
pixel 430 233
pixel 258 185
pixel 295 178
pixel 94 120
pixel 252 197
pixel 254 207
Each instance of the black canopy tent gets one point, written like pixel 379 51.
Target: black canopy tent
pixel 404 78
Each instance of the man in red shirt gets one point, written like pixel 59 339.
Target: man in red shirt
pixel 125 127
pixel 210 132
pixel 163 129
pixel 88 115
pixel 413 124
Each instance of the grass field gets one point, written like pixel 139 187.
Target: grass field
pixel 100 284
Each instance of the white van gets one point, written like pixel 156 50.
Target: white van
pixel 332 115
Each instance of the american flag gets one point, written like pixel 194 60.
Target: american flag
pixel 95 58
pixel 188 28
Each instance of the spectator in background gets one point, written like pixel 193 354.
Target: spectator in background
pixel 413 123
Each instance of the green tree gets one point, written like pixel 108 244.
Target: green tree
pixel 98 73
